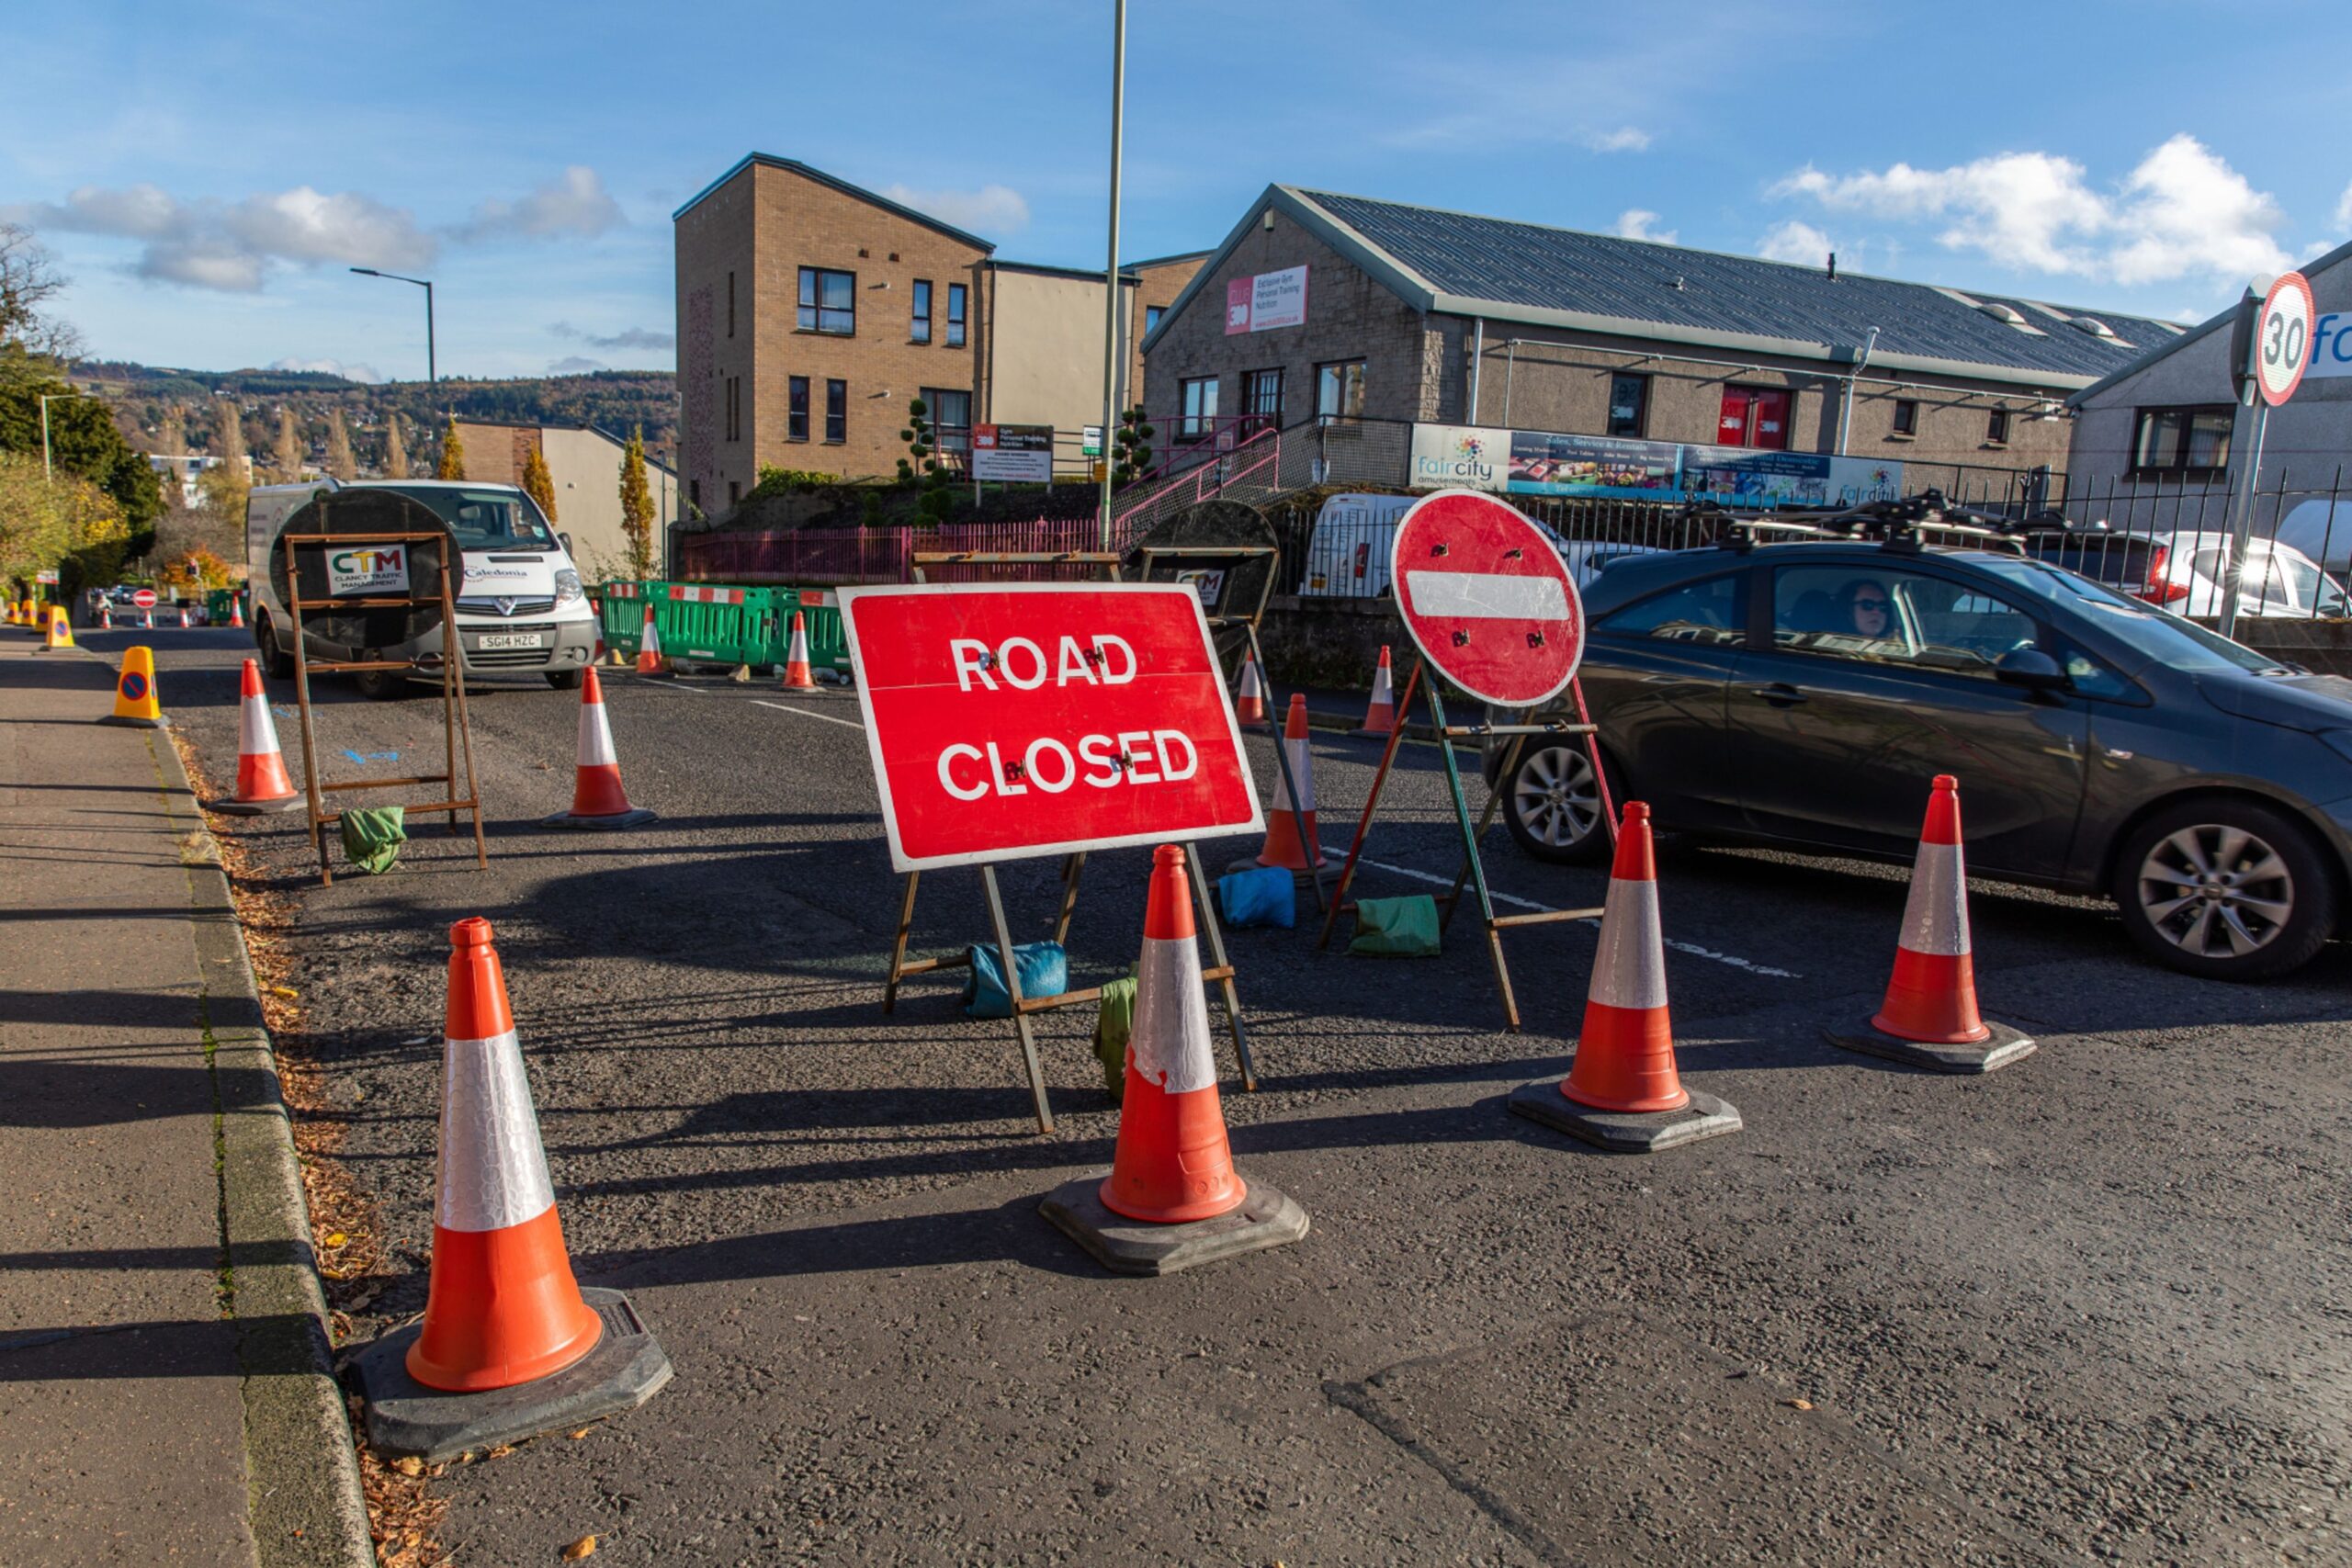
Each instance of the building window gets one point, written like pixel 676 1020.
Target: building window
pixel 2182 443
pixel 828 301
pixel 951 419
pixel 694 494
pixel 795 417
pixel 734 491
pixel 920 330
pixel 956 293
pixel 1151 314
pixel 1629 406
pixel 731 304
pixel 1262 400
pixel 1754 416
pixel 1199 409
pixel 1996 427
pixel 837 410
pixel 734 408
pixel 1906 416
pixel 1339 390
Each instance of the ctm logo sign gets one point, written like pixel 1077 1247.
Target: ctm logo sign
pixel 366 568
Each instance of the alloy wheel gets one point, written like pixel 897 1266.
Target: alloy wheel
pixel 2215 891
pixel 1554 796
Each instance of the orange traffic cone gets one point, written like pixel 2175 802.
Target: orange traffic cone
pixel 147 619
pixel 106 614
pixel 236 610
pixel 503 1309
pixel 262 783
pixel 59 634
pixel 649 651
pixel 796 659
pixel 185 622
pixel 1250 703
pixel 1290 830
pixel 1172 1171
pixel 597 798
pixel 1380 715
pixel 1623 1090
pixel 1929 1016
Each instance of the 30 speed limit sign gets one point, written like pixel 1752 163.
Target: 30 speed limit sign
pixel 2282 338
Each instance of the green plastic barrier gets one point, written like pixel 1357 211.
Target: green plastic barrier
pixel 820 613
pixel 715 623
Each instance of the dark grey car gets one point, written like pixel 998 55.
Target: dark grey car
pixel 1803 696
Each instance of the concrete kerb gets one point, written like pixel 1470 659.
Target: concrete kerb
pixel 306 1505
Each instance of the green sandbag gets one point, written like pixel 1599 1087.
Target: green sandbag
pixel 372 836
pixel 1112 1027
pixel 1396 928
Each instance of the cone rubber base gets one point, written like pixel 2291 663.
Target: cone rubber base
pixel 1998 1049
pixel 1625 1132
pixel 1267 1217
pixel 132 723
pixel 1331 864
pixel 255 808
pixel 404 1417
pixel 635 817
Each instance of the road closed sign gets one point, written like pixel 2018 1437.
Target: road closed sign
pixel 1015 719
pixel 1486 598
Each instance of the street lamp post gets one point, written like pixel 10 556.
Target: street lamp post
pixel 1111 311
pixel 48 472
pixel 431 378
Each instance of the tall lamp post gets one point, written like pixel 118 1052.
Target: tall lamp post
pixel 430 376
pixel 48 472
pixel 1111 312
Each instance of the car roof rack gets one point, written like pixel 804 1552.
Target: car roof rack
pixel 1908 524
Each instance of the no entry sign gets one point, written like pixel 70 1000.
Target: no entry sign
pixel 1486 598
pixel 2282 337
pixel 1016 719
pixel 144 597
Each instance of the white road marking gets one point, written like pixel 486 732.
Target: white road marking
pixel 786 708
pixel 1692 948
pixel 1488 596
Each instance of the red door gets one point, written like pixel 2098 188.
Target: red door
pixel 1731 430
pixel 1754 416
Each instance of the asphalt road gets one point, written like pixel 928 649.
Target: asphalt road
pixel 2090 1306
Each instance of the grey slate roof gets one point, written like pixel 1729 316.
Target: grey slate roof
pixel 1502 269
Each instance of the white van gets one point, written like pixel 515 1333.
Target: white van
pixel 521 608
pixel 2322 530
pixel 1346 555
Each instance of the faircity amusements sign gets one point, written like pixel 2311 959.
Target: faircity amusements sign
pixel 1536 462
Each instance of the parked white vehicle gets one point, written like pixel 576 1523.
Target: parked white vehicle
pixel 1346 554
pixel 521 607
pixel 2277 579
pixel 2321 530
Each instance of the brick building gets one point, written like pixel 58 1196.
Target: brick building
pixel 1345 307
pixel 584 463
pixel 811 312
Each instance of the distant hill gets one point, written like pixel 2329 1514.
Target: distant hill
pixel 146 400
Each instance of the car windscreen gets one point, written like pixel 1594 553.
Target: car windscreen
pixel 488 519
pixel 2165 638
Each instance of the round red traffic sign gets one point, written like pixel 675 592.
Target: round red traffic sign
pixel 144 598
pixel 1486 598
pixel 2282 337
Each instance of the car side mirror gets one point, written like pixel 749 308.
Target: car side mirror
pixel 566 540
pixel 2031 668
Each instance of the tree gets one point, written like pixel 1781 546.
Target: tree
pixel 453 454
pixel 28 281
pixel 223 486
pixel 61 522
pixel 637 507
pixel 921 466
pixel 395 449
pixel 171 432
pixel 539 483
pixel 1131 447
pixel 288 456
pixel 339 463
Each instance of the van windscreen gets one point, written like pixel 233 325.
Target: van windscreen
pixel 488 519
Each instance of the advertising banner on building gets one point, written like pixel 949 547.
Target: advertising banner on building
pixel 1014 453
pixel 1536 462
pixel 1267 300
pixel 2331 346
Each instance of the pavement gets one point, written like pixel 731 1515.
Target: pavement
pixel 2090 1308
pixel 164 1378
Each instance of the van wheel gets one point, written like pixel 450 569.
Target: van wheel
pixel 380 685
pixel 564 680
pixel 275 661
pixel 2226 889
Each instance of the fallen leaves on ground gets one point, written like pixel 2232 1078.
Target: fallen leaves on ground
pixel 1798 1404
pixel 585 1547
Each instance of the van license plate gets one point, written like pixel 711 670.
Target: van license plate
pixel 490 641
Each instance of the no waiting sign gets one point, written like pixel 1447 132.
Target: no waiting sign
pixel 1486 598
pixel 1016 719
pixel 2282 337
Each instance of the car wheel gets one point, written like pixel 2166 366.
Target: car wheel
pixel 380 685
pixel 564 680
pixel 1553 808
pixel 2226 889
pixel 275 661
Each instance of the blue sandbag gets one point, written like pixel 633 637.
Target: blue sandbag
pixel 1267 895
pixel 1045 971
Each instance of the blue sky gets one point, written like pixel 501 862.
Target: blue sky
pixel 206 171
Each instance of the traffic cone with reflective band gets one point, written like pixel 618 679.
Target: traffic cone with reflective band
pixel 106 614
pixel 1290 830
pixel 59 634
pixel 147 619
pixel 1380 715
pixel 509 1344
pixel 237 610
pixel 262 782
pixel 796 660
pixel 649 651
pixel 597 798
pixel 136 701
pixel 1249 702
pixel 1623 1090
pixel 185 622
pixel 1172 1171
pixel 1930 1013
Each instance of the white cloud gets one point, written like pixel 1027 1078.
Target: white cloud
pixel 1791 240
pixel 2182 212
pixel 574 365
pixel 1625 139
pixel 574 204
pixel 231 246
pixel 349 371
pixel 1640 223
pixel 991 209
pixel 628 337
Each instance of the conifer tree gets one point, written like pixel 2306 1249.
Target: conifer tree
pixel 288 456
pixel 637 506
pixel 539 483
pixel 453 453
pixel 339 463
pixel 395 449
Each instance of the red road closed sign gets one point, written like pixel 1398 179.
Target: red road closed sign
pixel 1486 598
pixel 1015 719
pixel 144 597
